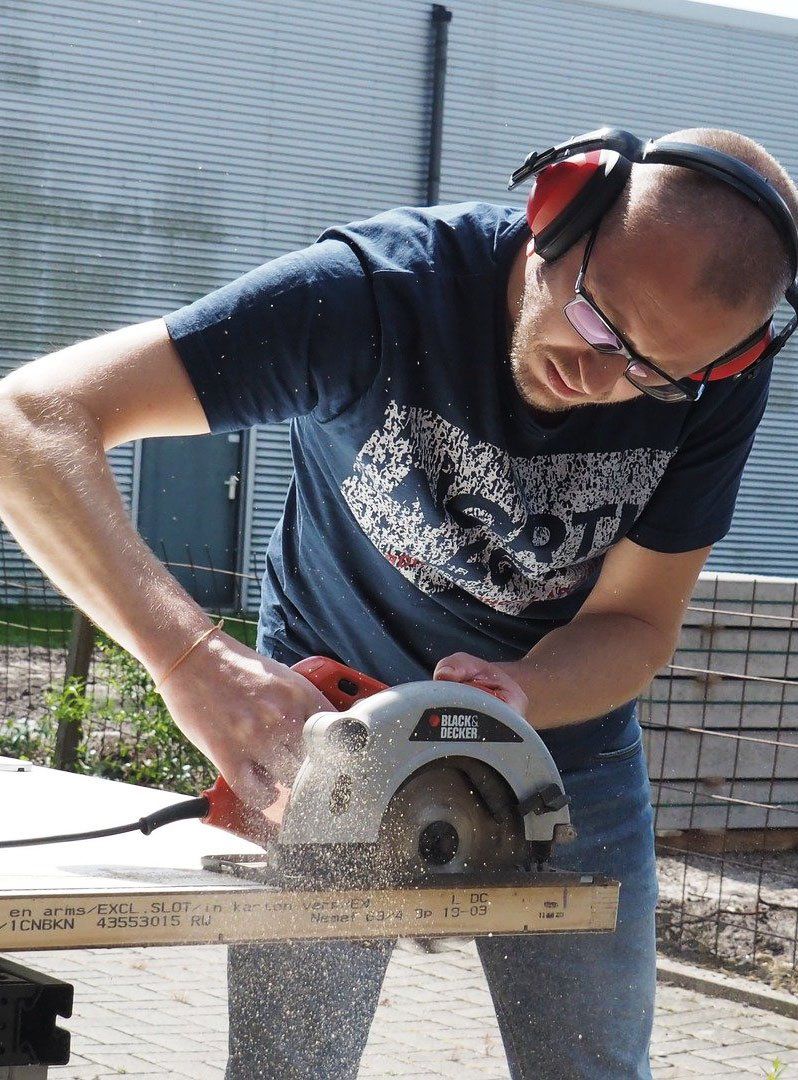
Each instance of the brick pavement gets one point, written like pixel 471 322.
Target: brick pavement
pixel 162 1013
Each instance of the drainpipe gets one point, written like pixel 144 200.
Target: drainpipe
pixel 441 17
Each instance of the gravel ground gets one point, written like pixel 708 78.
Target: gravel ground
pixel 24 676
pixel 740 910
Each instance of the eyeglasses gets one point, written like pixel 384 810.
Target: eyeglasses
pixel 593 326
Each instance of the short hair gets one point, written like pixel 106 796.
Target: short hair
pixel 748 261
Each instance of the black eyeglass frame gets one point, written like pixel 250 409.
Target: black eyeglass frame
pixel 689 389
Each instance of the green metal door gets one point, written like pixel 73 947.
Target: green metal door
pixel 189 511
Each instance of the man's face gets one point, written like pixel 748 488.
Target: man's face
pixel 647 287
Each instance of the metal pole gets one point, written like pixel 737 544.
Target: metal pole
pixel 441 17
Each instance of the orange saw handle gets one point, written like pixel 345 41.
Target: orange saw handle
pixel 342 686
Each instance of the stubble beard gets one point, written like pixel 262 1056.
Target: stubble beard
pixel 526 360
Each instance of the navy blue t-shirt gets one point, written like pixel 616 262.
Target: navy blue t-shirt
pixel 431 510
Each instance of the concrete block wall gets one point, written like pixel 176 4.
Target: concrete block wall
pixel 712 736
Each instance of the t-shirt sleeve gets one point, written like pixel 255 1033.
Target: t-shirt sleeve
pixel 693 504
pixel 298 335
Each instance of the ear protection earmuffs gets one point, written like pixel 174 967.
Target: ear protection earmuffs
pixel 577 182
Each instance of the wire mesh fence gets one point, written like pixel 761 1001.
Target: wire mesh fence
pixel 721 732
pixel 71 698
pixel 720 727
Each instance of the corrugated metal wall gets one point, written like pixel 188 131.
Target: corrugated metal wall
pixel 150 154
pixel 523 76
pixel 158 152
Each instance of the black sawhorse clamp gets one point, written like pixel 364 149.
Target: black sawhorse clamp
pixel 29 1037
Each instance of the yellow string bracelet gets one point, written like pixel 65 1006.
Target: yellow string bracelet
pixel 189 651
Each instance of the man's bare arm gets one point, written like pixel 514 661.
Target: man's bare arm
pixel 625 632
pixel 58 497
pixel 58 415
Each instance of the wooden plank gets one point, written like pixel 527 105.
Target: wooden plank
pixel 152 890
pixel 127 911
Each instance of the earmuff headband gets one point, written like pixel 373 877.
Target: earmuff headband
pixel 606 138
pixel 577 181
pixel 722 167
pixel 736 174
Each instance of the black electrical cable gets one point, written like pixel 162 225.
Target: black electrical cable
pixel 181 811
pixel 34 840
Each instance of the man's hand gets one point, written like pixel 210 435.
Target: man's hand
pixel 624 633
pixel 245 712
pixel 462 667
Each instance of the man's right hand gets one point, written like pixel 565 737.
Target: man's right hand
pixel 245 712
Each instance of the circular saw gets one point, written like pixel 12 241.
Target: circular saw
pixel 406 782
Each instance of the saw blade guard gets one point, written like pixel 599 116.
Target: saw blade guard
pixel 357 761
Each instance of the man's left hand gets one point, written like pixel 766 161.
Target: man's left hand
pixel 464 668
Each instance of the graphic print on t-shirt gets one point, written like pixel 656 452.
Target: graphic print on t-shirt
pixel 449 511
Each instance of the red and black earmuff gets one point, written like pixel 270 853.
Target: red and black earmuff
pixel 751 351
pixel 577 182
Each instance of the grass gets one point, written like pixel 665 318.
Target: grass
pixel 23 625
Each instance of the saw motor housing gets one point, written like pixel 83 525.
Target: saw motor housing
pixel 358 762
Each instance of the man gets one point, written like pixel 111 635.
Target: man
pixel 484 487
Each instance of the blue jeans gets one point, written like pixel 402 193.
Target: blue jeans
pixel 569 1006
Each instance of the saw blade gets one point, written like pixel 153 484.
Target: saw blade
pixel 445 820
pixel 453 817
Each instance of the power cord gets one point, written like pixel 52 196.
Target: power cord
pixel 181 811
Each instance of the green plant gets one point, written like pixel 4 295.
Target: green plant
pixel 776 1070
pixel 130 736
pixel 35 740
pixel 141 743
pixel 20 738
